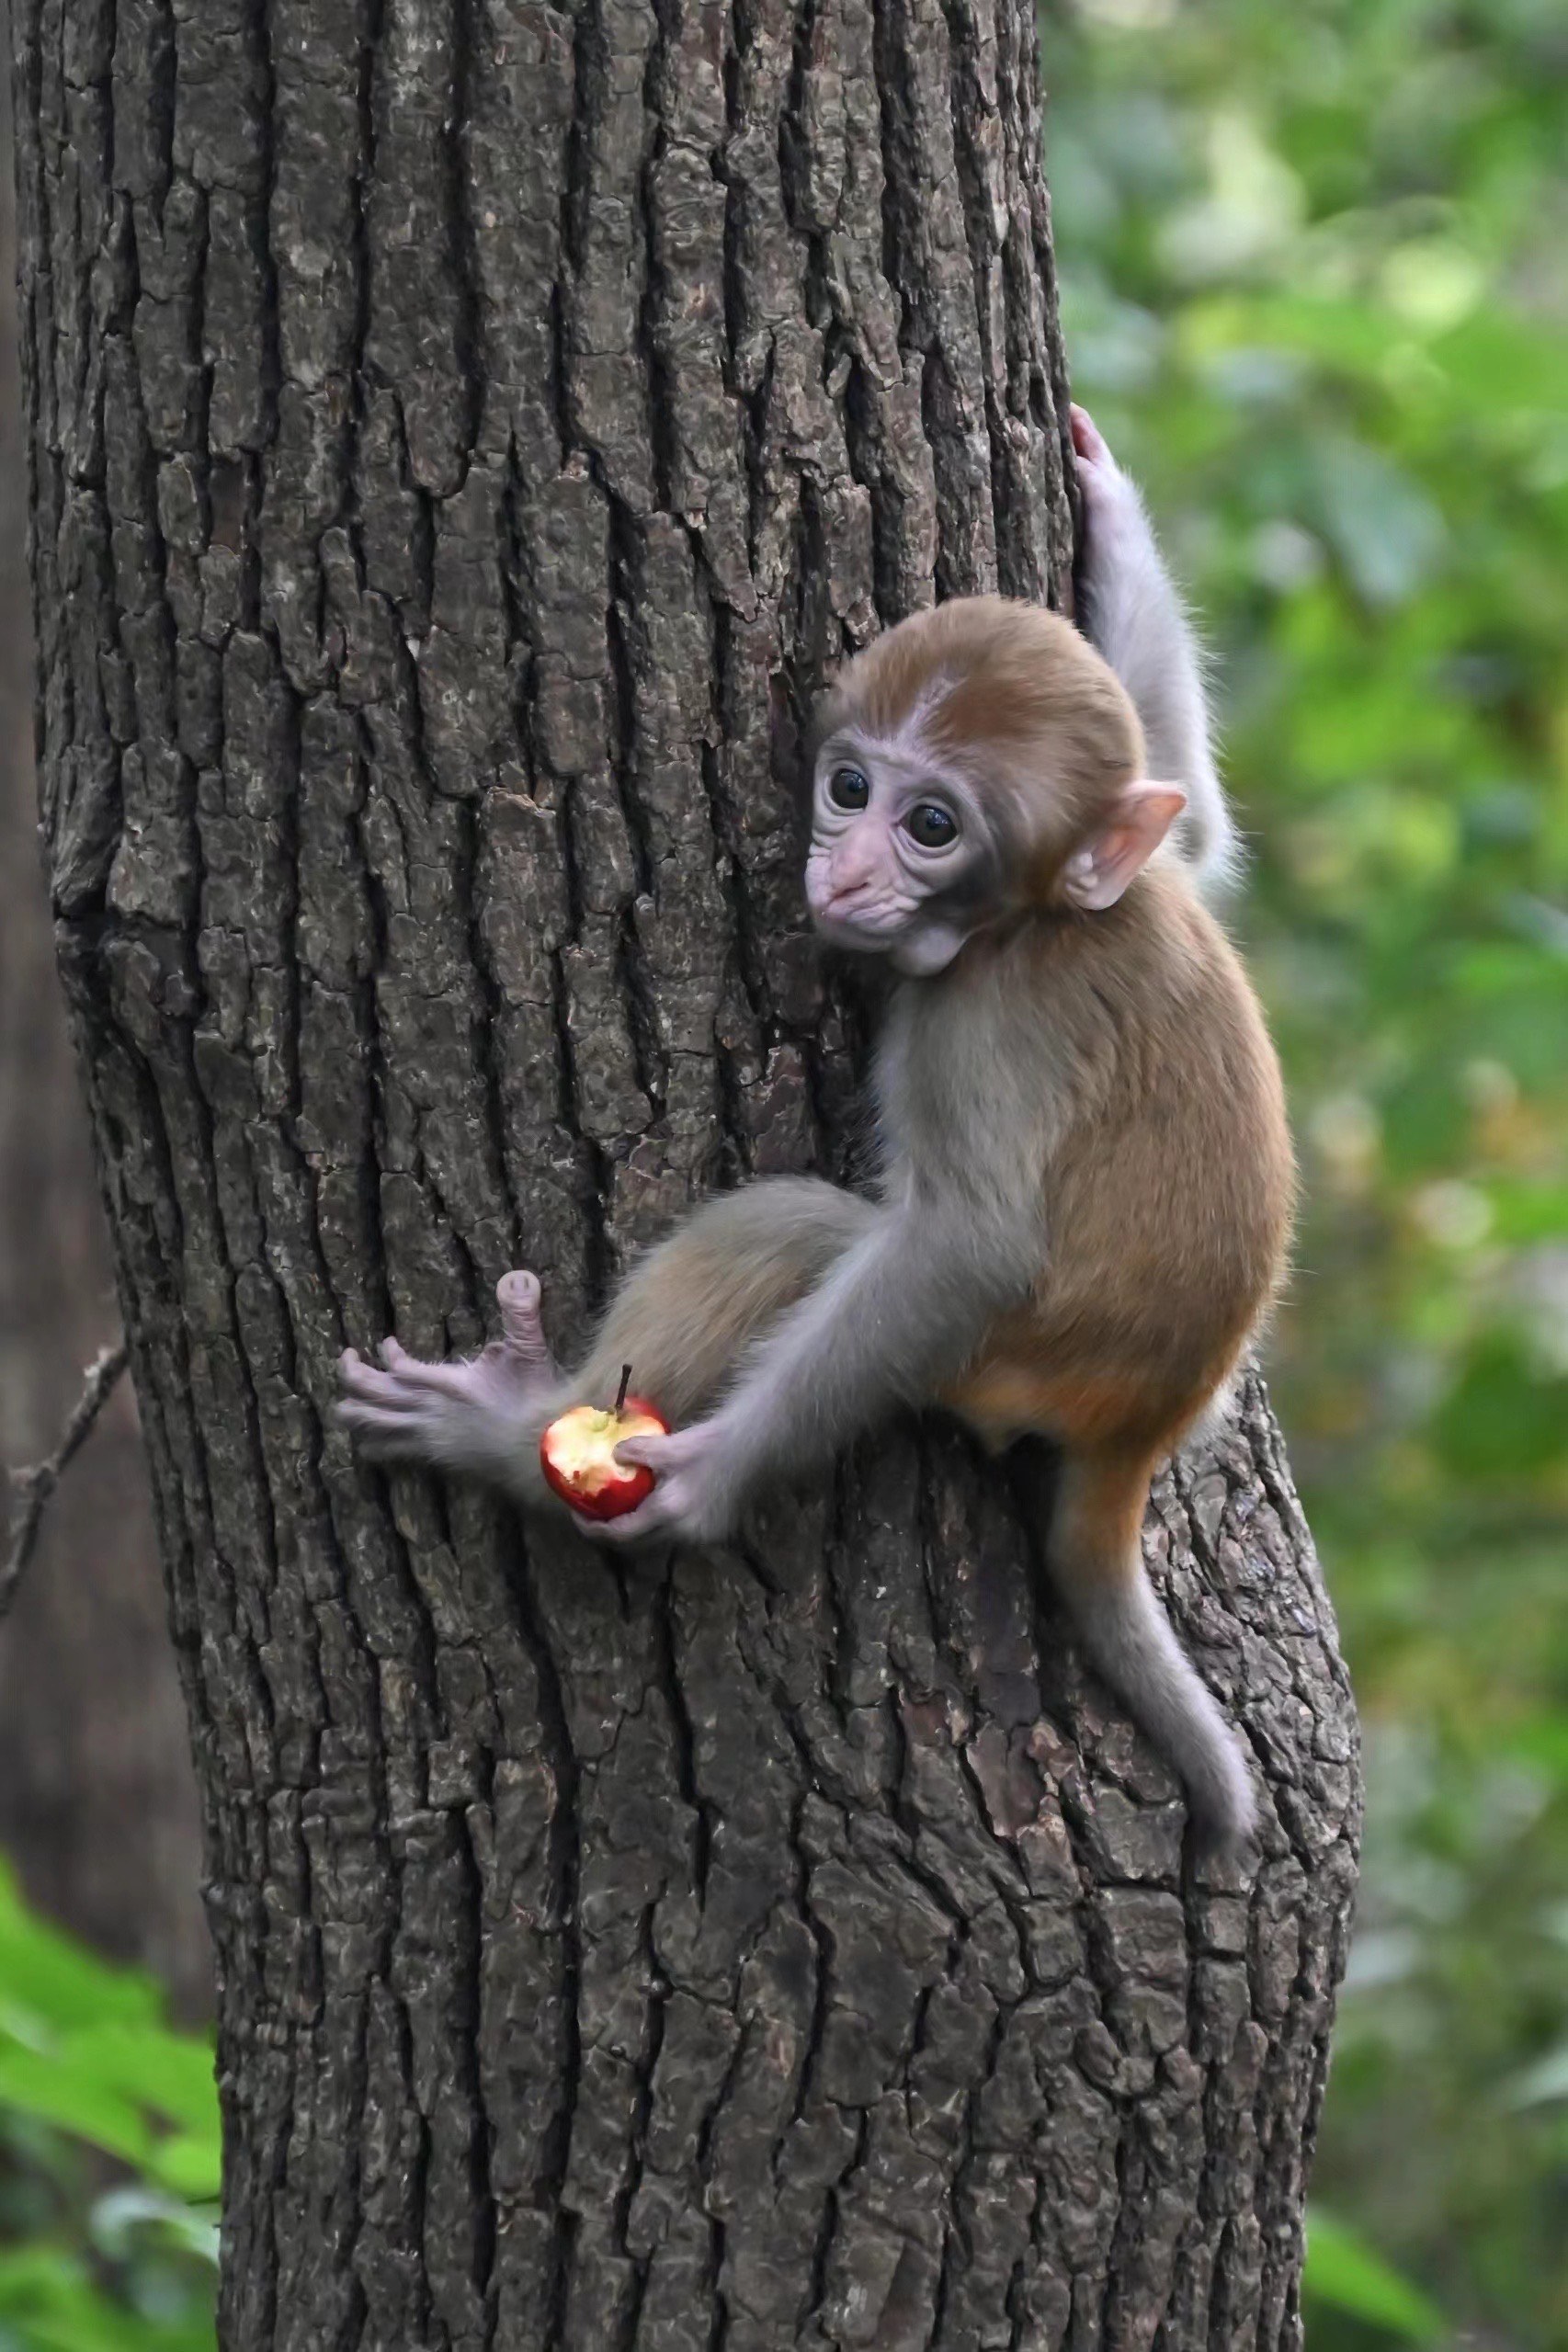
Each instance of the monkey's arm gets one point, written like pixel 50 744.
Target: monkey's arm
pixel 900 1312
pixel 1135 618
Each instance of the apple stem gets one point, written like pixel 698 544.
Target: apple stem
pixel 625 1384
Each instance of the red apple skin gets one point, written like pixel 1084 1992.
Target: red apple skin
pixel 623 1485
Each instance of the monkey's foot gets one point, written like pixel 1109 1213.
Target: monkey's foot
pixel 1106 490
pixel 476 1414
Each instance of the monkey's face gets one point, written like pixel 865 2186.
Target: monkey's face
pixel 903 859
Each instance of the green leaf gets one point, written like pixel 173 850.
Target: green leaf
pixel 73 2099
pixel 1388 535
pixel 48 2304
pixel 170 2073
pixel 46 1980
pixel 123 2216
pixel 1505 1417
pixel 1345 2272
pixel 189 2164
pixel 82 2049
pixel 1542 2085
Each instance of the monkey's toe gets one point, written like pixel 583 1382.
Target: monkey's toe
pixel 518 1296
pixel 382 1430
pixel 518 1291
pixel 365 1383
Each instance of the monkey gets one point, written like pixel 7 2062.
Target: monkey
pixel 1085 1183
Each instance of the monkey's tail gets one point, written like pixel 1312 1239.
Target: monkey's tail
pixel 1094 1556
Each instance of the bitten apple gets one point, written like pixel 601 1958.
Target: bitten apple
pixel 578 1452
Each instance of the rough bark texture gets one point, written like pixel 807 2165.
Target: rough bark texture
pixel 460 433
pixel 97 1808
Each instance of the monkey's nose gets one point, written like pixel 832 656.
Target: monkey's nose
pixel 852 873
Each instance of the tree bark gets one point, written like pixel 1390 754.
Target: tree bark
pixel 462 434
pixel 96 1805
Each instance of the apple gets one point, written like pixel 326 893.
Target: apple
pixel 577 1453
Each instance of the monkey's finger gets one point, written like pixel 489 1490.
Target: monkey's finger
pixel 396 1358
pixel 1088 439
pixel 650 1519
pixel 358 1378
pixel 441 1379
pixel 649 1453
pixel 675 1450
pixel 383 1430
pixel 363 1385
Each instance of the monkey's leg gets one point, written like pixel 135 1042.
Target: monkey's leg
pixel 680 1319
pixel 1093 1553
pixel 688 1309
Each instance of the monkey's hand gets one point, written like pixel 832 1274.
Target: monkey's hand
pixel 470 1416
pixel 698 1490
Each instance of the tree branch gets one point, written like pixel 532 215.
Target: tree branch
pixel 33 1487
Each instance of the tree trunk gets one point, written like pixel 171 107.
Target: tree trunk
pixel 462 434
pixel 96 1805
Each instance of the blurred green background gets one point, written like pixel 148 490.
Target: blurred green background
pixel 1316 275
pixel 109 2155
pixel 1315 265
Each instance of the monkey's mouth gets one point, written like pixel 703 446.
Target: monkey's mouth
pixel 867 911
pixel 862 926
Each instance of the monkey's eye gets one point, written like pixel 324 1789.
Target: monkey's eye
pixel 932 827
pixel 847 789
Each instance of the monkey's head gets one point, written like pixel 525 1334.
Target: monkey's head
pixel 978 758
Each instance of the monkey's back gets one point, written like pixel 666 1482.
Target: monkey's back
pixel 1167 1185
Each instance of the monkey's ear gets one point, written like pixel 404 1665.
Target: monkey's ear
pixel 1095 875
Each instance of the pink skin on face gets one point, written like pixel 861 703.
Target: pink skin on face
pixel 870 883
pixel 856 881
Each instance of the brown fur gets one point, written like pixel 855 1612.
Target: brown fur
pixel 1132 1056
pixel 1167 1213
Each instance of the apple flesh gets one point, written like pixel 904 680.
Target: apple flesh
pixel 577 1453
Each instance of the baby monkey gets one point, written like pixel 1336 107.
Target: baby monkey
pixel 1085 1174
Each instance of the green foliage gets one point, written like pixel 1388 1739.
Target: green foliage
pixel 1345 2275
pixel 109 2155
pixel 1315 265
